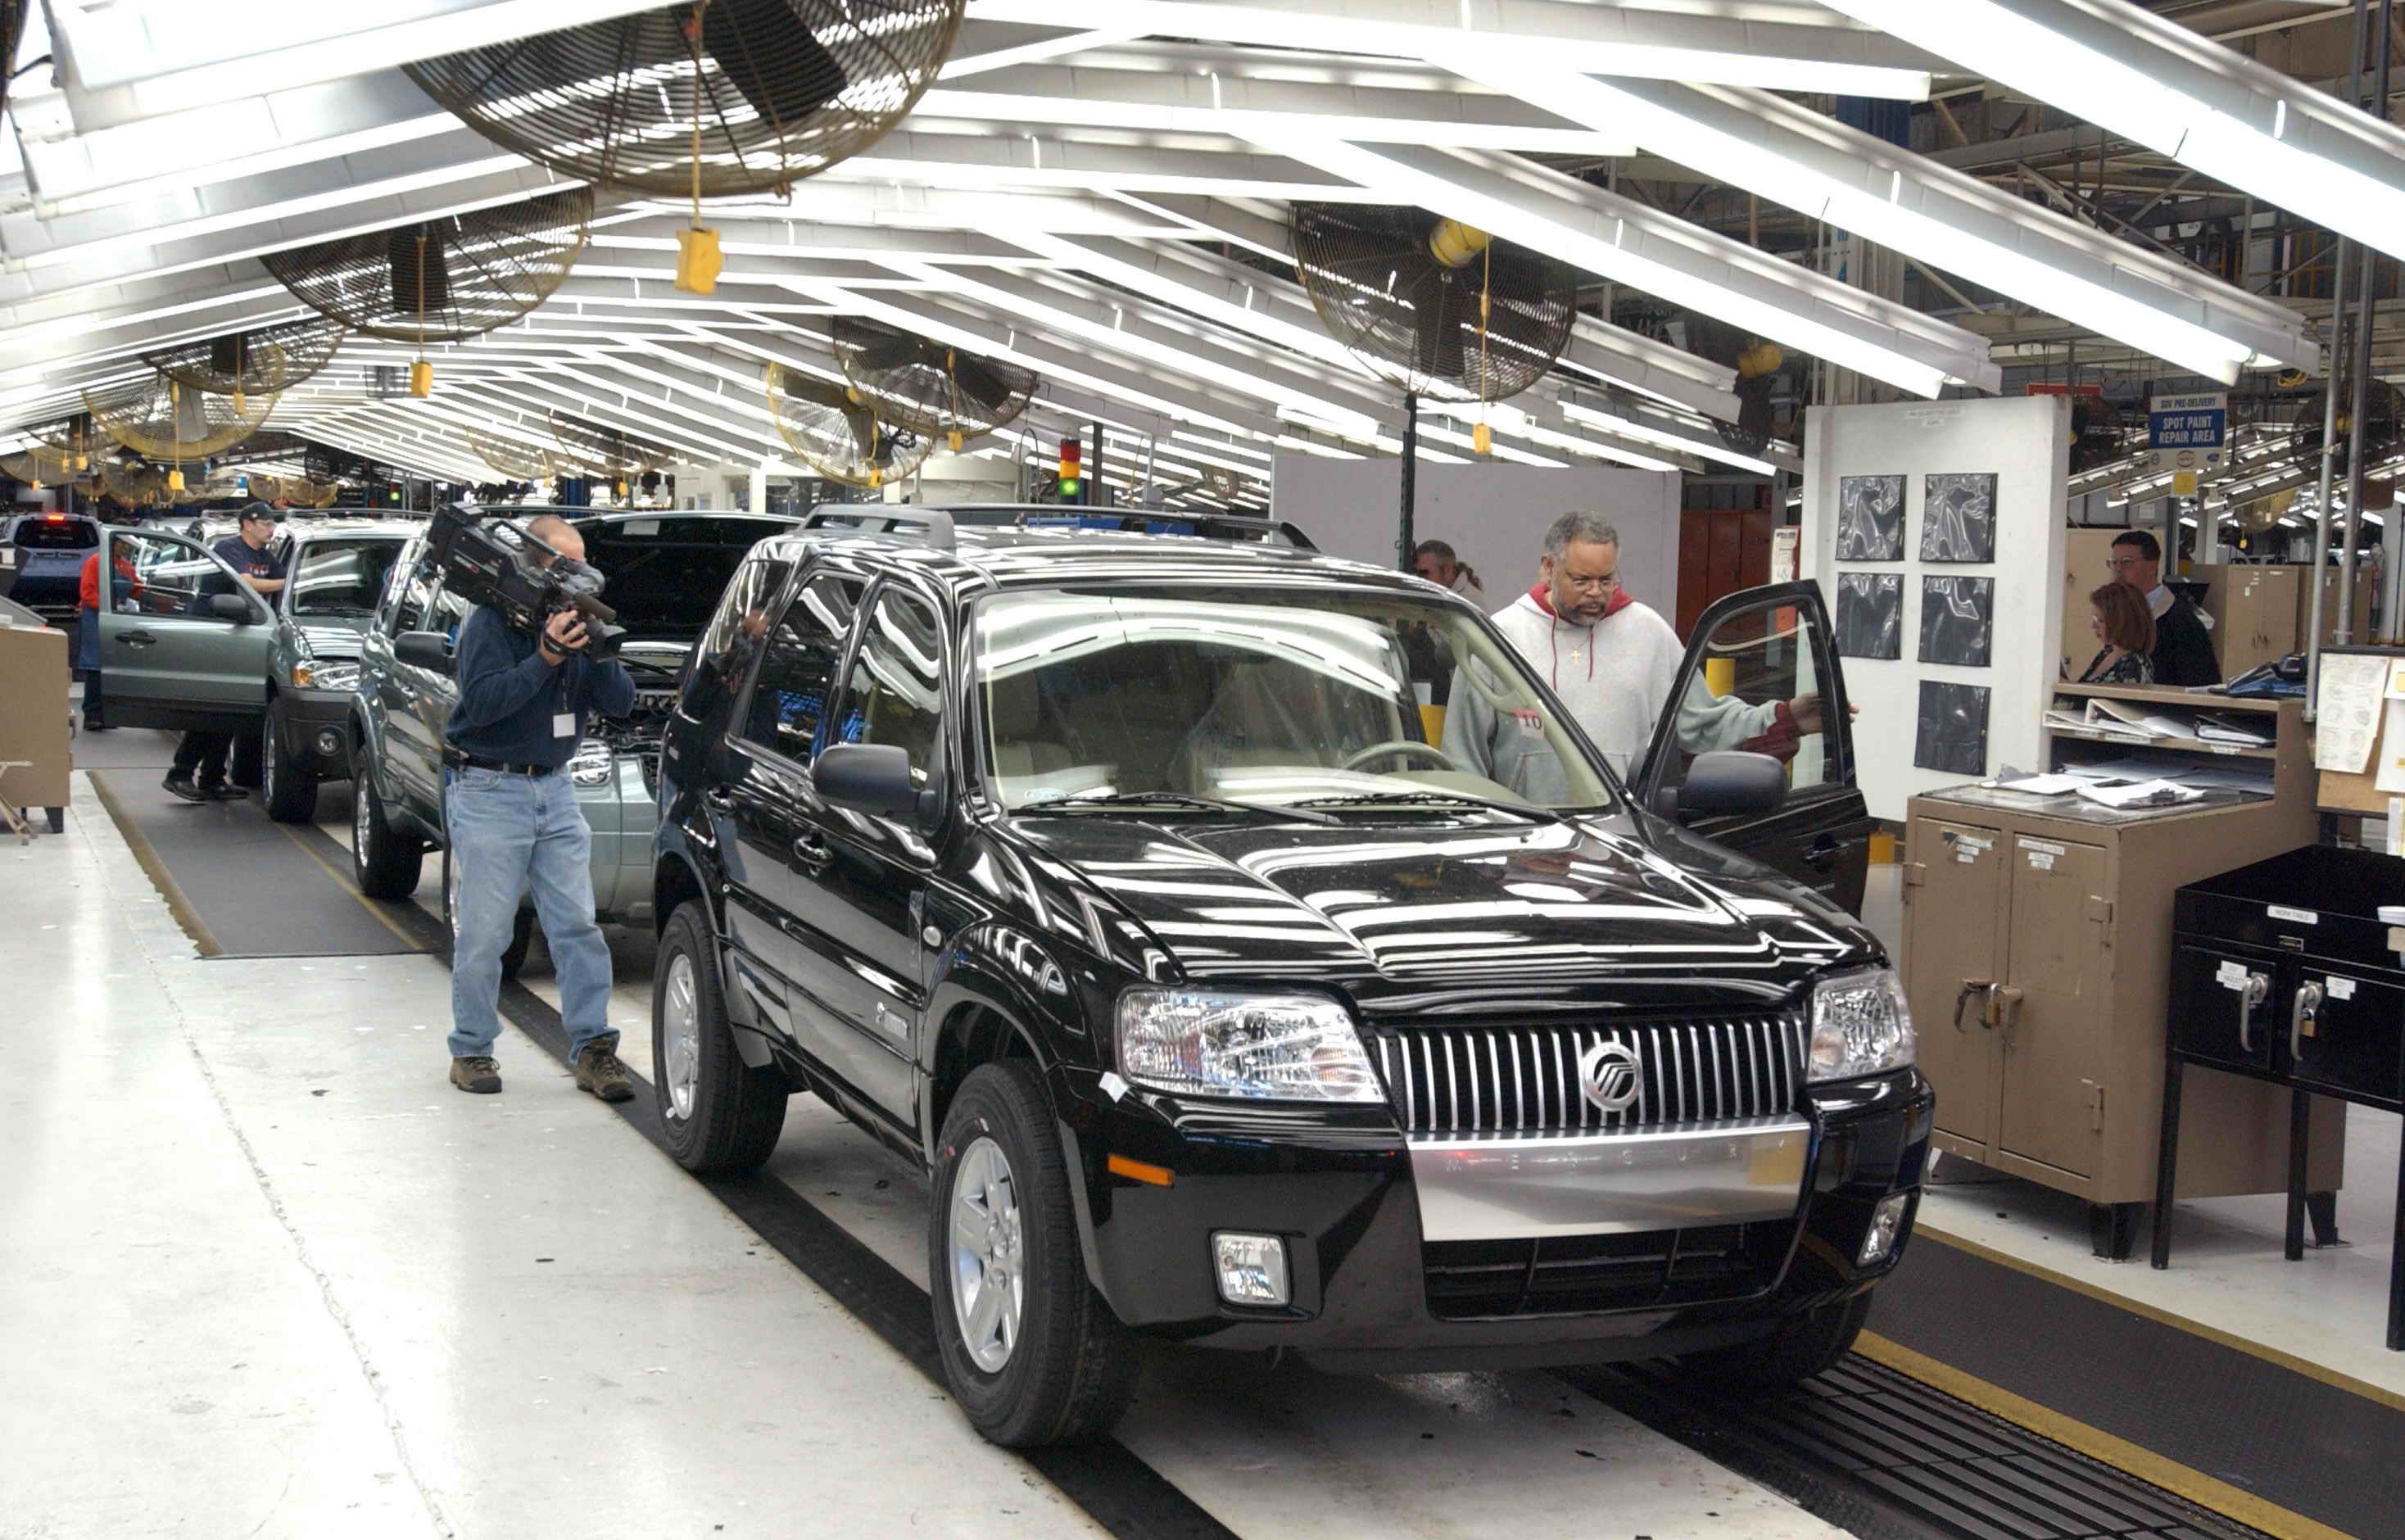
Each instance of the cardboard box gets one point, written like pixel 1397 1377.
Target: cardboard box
pixel 34 680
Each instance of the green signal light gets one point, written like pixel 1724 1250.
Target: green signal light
pixel 1071 487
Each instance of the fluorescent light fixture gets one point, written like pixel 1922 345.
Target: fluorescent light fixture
pixel 1602 39
pixel 1086 111
pixel 1581 408
pixel 1805 161
pixel 2179 95
pixel 1622 240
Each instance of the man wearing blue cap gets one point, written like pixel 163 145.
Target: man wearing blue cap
pixel 199 772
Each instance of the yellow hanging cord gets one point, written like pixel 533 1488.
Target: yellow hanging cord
pixel 1482 438
pixel 953 383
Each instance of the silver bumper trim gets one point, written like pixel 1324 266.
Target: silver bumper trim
pixel 1512 1187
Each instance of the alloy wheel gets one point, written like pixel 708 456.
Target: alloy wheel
pixel 361 818
pixel 988 1251
pixel 451 896
pixel 267 759
pixel 682 1023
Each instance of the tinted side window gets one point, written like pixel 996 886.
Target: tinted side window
pixel 716 668
pixel 798 668
pixel 417 597
pixel 896 692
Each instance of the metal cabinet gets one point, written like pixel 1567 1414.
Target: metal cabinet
pixel 2039 955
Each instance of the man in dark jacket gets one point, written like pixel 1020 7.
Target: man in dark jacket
pixel 514 825
pixel 199 771
pixel 2183 642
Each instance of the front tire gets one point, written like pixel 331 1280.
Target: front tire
pixel 1805 1346
pixel 1031 1350
pixel 513 955
pixel 720 1113
pixel 243 762
pixel 385 863
pixel 289 791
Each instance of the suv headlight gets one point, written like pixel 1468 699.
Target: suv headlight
pixel 1861 1025
pixel 590 764
pixel 331 673
pixel 1258 1046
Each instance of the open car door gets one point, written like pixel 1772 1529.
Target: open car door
pixel 183 642
pixel 1761 673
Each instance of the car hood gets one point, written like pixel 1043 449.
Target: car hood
pixel 332 635
pixel 1470 917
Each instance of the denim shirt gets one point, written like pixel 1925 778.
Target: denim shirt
pixel 509 698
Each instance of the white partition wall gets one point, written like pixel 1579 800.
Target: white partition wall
pixel 2024 444
pixel 1493 515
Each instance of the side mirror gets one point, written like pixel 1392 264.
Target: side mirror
pixel 427 650
pixel 232 607
pixel 1725 781
pixel 870 778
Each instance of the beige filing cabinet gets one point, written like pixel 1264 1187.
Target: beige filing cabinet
pixel 2366 584
pixel 33 720
pixel 2255 612
pixel 2065 906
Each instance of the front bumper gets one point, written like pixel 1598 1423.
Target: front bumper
pixel 313 730
pixel 1374 1290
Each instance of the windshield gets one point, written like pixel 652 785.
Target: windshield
pixel 665 575
pixel 342 577
pixel 56 533
pixel 1265 696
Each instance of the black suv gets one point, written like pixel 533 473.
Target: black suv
pixel 1234 992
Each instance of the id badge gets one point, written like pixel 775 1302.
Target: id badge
pixel 564 725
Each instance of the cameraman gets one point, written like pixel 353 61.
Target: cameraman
pixel 514 823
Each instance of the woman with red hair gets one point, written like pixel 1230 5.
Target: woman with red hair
pixel 2118 617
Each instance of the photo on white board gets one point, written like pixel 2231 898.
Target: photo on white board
pixel 1957 620
pixel 1870 518
pixel 1958 516
pixel 1952 735
pixel 1870 615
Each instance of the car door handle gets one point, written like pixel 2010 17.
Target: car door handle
pixel 812 852
pixel 1823 852
pixel 137 639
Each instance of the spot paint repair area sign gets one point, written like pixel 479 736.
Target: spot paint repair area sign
pixel 2189 434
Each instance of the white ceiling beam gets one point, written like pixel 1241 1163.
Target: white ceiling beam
pixel 1605 39
pixel 1804 161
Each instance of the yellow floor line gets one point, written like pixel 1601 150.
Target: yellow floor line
pixel 2170 1474
pixel 2290 1362
pixel 345 883
pixel 147 857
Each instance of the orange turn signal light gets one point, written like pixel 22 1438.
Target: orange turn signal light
pixel 1136 1170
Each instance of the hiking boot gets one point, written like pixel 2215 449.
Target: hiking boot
pixel 225 794
pixel 481 1076
pixel 599 1071
pixel 181 785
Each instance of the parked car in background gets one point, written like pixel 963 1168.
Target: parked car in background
pixel 336 572
pixel 1122 884
pixel 47 552
pixel 666 571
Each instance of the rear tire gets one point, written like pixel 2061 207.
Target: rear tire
pixel 720 1113
pixel 290 792
pixel 513 955
pixel 386 863
pixel 1069 1366
pixel 1805 1346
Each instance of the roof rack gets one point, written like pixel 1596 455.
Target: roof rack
pixel 1139 521
pixel 933 525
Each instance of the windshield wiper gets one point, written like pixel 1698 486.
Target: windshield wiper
pixel 1171 798
pixel 1430 799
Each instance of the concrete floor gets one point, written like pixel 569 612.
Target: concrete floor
pixel 269 1275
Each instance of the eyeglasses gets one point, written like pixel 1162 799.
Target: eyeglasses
pixel 1592 584
pixel 2123 563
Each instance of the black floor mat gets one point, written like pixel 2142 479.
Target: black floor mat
pixel 243 884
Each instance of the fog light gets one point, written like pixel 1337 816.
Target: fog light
pixel 1251 1269
pixel 1886 1220
pixel 329 743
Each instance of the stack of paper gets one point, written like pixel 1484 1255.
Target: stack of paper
pixel 2145 794
pixel 2045 786
pixel 2223 730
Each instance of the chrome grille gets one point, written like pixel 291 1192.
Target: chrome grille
pixel 1507 1079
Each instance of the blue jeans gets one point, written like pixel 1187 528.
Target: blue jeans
pixel 511 834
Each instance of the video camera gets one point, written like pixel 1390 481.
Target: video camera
pixel 488 560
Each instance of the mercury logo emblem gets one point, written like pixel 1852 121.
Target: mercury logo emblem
pixel 1608 1073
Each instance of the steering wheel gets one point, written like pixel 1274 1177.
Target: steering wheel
pixel 1437 756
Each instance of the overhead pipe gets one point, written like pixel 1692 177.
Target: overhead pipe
pixel 2329 413
pixel 2364 305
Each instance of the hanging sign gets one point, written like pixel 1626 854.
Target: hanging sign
pixel 2188 433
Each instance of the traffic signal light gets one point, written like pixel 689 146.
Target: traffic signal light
pixel 1073 481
